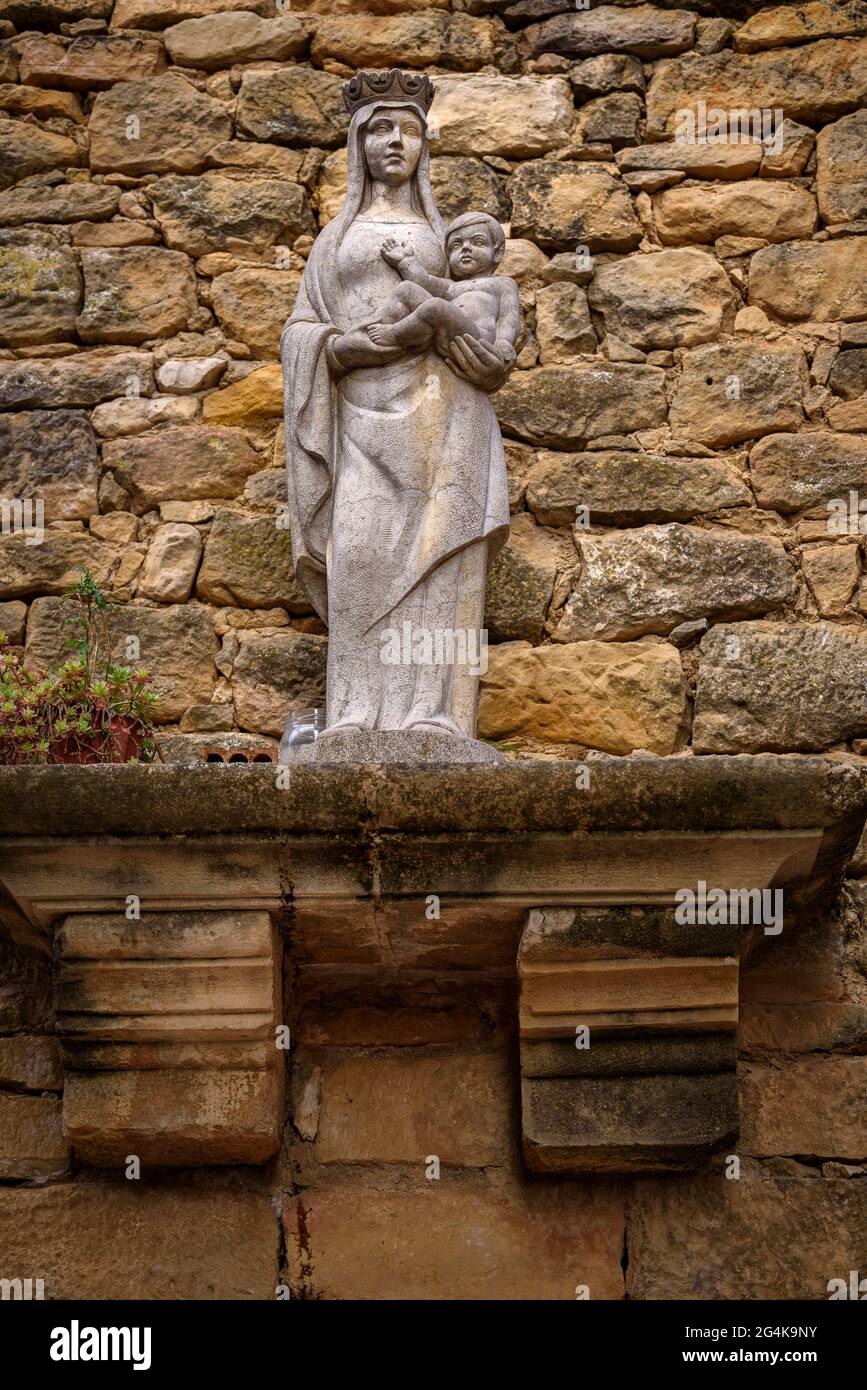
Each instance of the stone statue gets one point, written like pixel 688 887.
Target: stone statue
pixel 395 467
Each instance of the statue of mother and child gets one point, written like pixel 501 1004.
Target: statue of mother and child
pixel 395 467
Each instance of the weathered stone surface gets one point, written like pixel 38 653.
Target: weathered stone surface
pixel 169 570
pixel 851 415
pixel 789 687
pixel 730 392
pixel 563 406
pixel 253 157
pixel 813 1108
pixel 292 106
pixel 177 647
pixel 82 379
pixel 32 1140
pixel 159 14
pixel 331 186
pixel 776 26
pixel 216 462
pixel 520 584
pixel 563 327
pixel 219 213
pixel 120 527
pixel 52 455
pixel 610 120
pixel 785 1237
pixel 698 161
pixel 122 231
pixel 184 375
pixel 65 203
pixel 462 184
pixel 248 563
pixel 40 289
pixel 138 293
pixel 669 299
pixel 612 697
pixel 268 488
pixel 608 72
pixel 33 101
pixel 29 1062
pixel 27 149
pixel 646 31
pixel 622 489
pixel 135 414
pixel 258 396
pixel 173 1117
pixel 253 305
pixel 218 41
pixel 585 1125
pixel 815 83
pixel 450 1242
pixel 432 38
pixel 656 577
pixel 770 209
pixel 196 1241
pixel 848 376
pixel 841 168
pixel 798 142
pixel 792 472
pixel 562 204
pixel 516 117
pixel 813 280
pixel 52 12
pixel 177 126
pixel 832 571
pixel 50 566
pixel 13 616
pixel 276 674
pixel 384 1110
pixel 90 62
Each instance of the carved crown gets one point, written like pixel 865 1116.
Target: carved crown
pixel 366 87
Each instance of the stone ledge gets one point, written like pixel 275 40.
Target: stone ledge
pixel 725 792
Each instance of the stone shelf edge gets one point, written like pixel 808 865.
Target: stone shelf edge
pixel 576 881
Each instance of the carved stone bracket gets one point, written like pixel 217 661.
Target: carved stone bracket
pixel 167 1028
pixel 627 1027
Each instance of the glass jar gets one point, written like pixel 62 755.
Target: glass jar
pixel 302 726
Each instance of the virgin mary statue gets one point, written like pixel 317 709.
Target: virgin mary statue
pixel 396 475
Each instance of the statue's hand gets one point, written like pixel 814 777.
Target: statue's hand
pixel 478 363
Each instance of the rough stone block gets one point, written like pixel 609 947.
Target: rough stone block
pixel 112 1239
pixel 383 1110
pixel 457 1242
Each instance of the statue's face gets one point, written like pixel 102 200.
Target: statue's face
pixel 393 143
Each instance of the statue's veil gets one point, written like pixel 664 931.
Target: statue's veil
pixel 358 179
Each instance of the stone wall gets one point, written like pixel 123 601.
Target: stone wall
pixel 691 391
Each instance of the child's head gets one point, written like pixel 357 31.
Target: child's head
pixel 475 244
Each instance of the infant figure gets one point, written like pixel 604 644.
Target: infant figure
pixel 430 310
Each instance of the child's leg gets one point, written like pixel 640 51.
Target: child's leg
pixel 435 318
pixel 406 297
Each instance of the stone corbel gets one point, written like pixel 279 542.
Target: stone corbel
pixel 168 1036
pixel 627 1036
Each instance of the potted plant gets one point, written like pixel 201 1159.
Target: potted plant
pixel 90 710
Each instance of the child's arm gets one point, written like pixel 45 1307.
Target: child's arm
pixel 408 268
pixel 509 316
